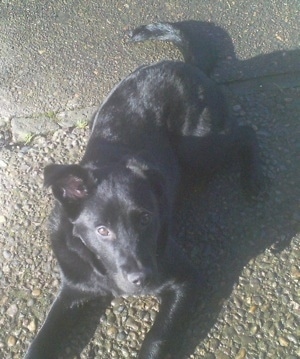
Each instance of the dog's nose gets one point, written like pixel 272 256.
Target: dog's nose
pixel 140 278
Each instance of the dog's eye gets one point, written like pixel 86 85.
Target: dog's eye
pixel 103 231
pixel 145 219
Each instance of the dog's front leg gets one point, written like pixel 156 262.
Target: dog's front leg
pixel 67 311
pixel 164 339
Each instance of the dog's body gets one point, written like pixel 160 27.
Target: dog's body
pixel 111 228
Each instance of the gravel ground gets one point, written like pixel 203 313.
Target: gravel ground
pixel 249 251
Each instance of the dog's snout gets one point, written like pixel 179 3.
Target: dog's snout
pixel 138 278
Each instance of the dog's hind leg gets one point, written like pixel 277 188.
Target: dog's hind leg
pixel 202 156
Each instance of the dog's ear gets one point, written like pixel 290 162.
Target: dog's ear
pixel 70 184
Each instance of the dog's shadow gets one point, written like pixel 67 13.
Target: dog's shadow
pixel 218 228
pixel 221 230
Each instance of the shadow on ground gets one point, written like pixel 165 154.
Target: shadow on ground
pixel 220 229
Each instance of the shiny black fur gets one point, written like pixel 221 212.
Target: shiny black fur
pixel 111 228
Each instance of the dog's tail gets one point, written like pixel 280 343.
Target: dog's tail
pixel 190 37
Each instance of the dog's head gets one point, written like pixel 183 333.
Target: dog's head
pixel 117 212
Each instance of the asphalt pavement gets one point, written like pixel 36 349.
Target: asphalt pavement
pixel 58 61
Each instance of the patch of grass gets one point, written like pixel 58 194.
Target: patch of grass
pixel 28 138
pixel 82 124
pixel 51 114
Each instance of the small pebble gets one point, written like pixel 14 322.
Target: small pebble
pixel 132 336
pixel 2 219
pixel 30 302
pixel 7 255
pixel 253 309
pixel 125 353
pixel 254 329
pixel 3 165
pixel 12 310
pixel 292 339
pixel 110 318
pixel 11 341
pixel 36 292
pixel 121 336
pixel 132 324
pixel 116 302
pixel 283 342
pixel 295 272
pixel 32 326
pixel 111 331
pixel 241 354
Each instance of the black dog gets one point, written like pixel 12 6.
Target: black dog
pixel 111 229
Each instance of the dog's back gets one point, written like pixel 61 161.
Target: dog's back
pixel 171 96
